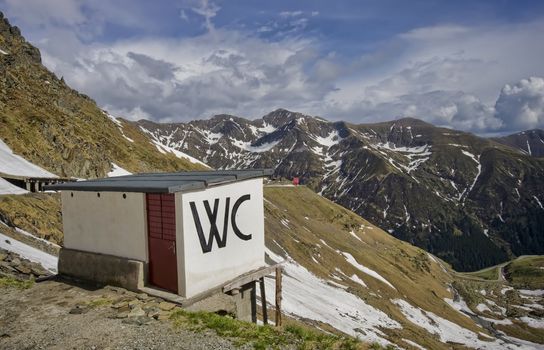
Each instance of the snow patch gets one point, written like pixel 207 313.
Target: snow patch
pixel 48 261
pixel 8 188
pixel 532 322
pixel 13 164
pixel 210 137
pixel 446 330
pixel 354 235
pixel 414 344
pixel 23 232
pixel 483 307
pixel 358 280
pixel 365 269
pixel 478 167
pixel 307 296
pixel 119 125
pixel 118 171
pixel 266 128
pixel 506 289
pixel 459 305
pixel 538 201
pixel 265 147
pixel 285 223
pixel 534 293
pixel 164 149
pixel 330 140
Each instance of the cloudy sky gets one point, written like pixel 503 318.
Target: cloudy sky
pixel 471 65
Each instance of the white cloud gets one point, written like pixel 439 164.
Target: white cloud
pixel 291 13
pixel 521 106
pixel 37 13
pixel 208 10
pixel 449 75
pixel 180 79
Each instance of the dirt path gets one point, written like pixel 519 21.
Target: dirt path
pixel 46 316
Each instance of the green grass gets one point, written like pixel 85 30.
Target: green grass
pixel 11 282
pixel 99 302
pixel 261 337
pixel 490 273
pixel 526 272
pixel 39 213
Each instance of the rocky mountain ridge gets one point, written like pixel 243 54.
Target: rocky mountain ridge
pixel 62 130
pixel 472 201
pixel 530 142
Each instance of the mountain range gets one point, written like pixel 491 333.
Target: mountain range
pixel 472 201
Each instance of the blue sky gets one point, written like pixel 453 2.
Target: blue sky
pixel 472 65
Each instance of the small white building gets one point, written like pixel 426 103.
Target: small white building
pixel 186 233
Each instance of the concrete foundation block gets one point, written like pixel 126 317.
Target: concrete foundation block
pixel 245 306
pixel 102 269
pixel 240 305
pixel 215 303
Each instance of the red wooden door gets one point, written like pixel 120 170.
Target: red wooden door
pixel 161 225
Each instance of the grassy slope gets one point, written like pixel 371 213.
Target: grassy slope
pixel 480 287
pixel 419 280
pixel 54 126
pixel 490 273
pixel 526 272
pixel 77 140
pixel 38 213
pixel 312 218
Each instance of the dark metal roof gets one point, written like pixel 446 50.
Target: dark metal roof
pixel 162 182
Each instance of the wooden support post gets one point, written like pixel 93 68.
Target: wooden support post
pixel 278 296
pixel 253 302
pixel 263 301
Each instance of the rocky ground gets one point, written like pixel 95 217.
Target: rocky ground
pixel 14 266
pixel 56 314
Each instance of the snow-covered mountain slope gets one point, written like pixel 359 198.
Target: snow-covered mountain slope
pixel 470 200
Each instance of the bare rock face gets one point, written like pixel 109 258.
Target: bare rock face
pixel 15 44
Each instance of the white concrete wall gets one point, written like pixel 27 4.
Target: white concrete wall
pixel 199 271
pixel 109 224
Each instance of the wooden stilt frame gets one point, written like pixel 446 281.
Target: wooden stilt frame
pixel 253 302
pixel 263 301
pixel 234 286
pixel 278 296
